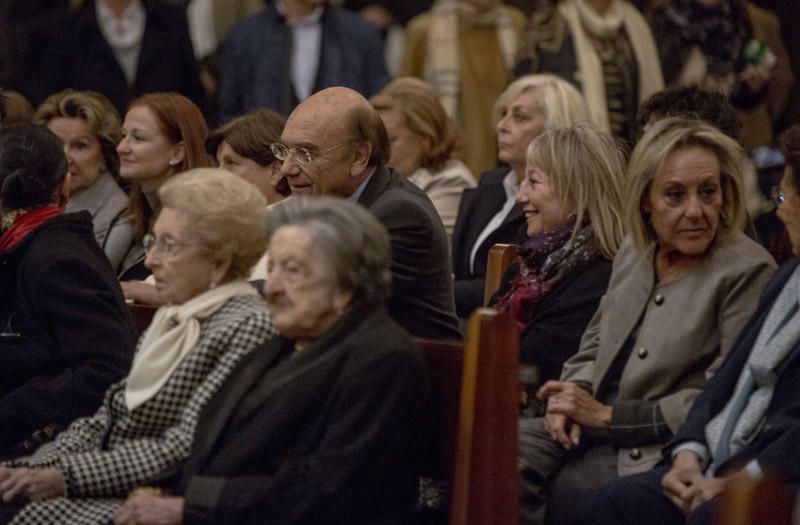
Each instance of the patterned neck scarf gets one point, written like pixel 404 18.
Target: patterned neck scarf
pixel 546 258
pixel 17 224
pixel 720 31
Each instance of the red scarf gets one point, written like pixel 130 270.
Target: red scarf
pixel 25 222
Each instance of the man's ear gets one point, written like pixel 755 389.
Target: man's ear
pixel 362 154
pixel 275 172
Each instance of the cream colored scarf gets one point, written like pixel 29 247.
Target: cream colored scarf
pixel 173 332
pixel 442 69
pixel 581 17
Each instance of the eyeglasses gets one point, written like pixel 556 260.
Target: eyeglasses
pixel 301 154
pixel 282 152
pixel 777 197
pixel 163 247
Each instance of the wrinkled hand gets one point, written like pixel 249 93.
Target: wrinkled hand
pixel 755 76
pixel 577 404
pixel 704 490
pixel 563 430
pixel 141 292
pixel 26 484
pixel 679 482
pixel 150 509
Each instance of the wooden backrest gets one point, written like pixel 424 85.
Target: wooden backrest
pixel 477 399
pixel 755 502
pixel 142 315
pixel 501 256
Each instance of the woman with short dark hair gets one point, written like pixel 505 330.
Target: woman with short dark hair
pixel 66 333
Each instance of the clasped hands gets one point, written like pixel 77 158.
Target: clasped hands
pixel 569 408
pixel 686 486
pixel 27 484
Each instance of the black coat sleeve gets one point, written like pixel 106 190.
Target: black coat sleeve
pixel 78 339
pixel 377 411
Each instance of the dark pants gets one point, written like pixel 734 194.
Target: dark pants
pixel 638 499
pixel 556 484
pixel 8 511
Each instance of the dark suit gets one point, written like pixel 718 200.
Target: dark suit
pixel 637 499
pixel 332 434
pixel 84 60
pixel 554 333
pixel 478 206
pixel 422 287
pixel 257 60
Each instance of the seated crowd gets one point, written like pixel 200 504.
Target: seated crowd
pixel 296 258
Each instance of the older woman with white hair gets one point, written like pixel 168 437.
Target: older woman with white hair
pixel 488 214
pixel 683 285
pixel 207 236
pixel 327 423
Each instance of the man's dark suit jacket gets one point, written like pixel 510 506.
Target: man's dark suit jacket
pixel 422 287
pixel 83 60
pixel 331 434
pixel 478 206
pixel 257 52
pixel 776 445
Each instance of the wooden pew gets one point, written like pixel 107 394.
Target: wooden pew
pixel 142 315
pixel 477 402
pixel 755 502
pixel 501 256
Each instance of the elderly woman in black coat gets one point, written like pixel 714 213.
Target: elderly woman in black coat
pixel 65 331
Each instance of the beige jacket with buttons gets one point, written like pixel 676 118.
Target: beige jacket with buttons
pixel 686 327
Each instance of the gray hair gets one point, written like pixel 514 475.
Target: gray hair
pixel 228 214
pixel 561 104
pixel 348 238
pixel 647 160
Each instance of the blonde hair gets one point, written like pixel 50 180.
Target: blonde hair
pixel 94 109
pixel 585 168
pixel 228 213
pixel 561 104
pixel 659 142
pixel 423 114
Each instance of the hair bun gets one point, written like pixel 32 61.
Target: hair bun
pixel 13 186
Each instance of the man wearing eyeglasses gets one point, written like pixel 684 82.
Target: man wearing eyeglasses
pixel 334 143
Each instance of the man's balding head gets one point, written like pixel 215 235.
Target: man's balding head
pixel 345 138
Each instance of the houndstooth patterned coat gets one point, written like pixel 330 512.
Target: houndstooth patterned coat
pixel 105 456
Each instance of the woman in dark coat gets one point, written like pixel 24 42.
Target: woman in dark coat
pixel 571 198
pixel 66 331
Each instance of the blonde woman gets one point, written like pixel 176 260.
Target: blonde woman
pixel 423 140
pixel 571 197
pixel 488 214
pixel 90 128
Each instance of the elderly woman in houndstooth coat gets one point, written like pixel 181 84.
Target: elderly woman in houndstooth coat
pixel 209 234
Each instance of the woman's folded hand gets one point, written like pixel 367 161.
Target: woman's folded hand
pixel 26 484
